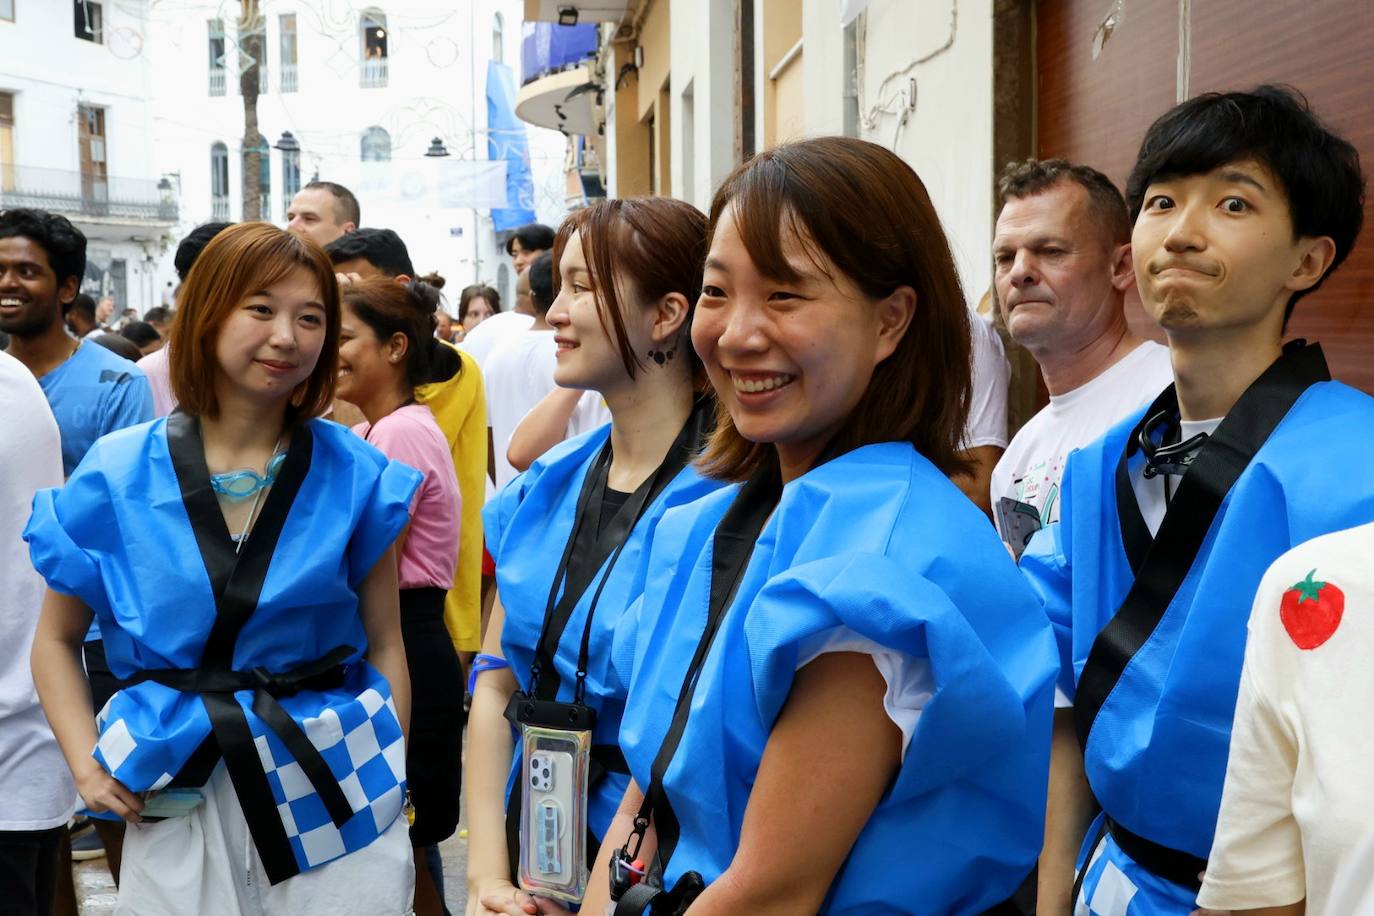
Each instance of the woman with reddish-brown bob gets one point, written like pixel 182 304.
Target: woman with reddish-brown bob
pixel 238 555
pixel 839 687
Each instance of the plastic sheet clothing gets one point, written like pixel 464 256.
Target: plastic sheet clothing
pixel 879 542
pixel 136 534
pixel 526 525
pixel 1156 754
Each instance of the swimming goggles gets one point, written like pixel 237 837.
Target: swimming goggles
pixel 242 484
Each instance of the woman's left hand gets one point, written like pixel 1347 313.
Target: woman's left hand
pixel 524 904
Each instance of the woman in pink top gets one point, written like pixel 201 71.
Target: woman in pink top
pixel 381 359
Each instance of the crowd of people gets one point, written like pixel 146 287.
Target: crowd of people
pixel 705 575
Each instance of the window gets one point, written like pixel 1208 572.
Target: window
pixel 376 145
pixel 253 44
pixel 89 19
pixel 290 177
pixel 6 141
pixel 373 67
pixel 498 38
pixel 90 140
pixel 219 181
pixel 288 52
pixel 7 10
pixel 215 30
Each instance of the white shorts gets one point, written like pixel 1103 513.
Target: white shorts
pixel 205 863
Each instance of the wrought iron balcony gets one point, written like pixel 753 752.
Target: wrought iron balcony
pixel 288 78
pixel 217 82
pixel 75 194
pixel 219 207
pixel 372 74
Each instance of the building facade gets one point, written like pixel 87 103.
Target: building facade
pixel 77 139
pixel 390 100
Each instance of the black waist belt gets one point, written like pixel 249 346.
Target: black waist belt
pixel 1182 868
pixel 234 737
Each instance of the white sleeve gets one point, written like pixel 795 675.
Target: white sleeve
pixel 987 416
pixel 909 684
pixel 590 413
pixel 1257 852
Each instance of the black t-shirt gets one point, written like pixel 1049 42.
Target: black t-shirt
pixel 611 501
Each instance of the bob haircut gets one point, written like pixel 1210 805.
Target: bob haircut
pixel 857 208
pixel 236 263
pixel 389 308
pixel 1273 125
pixel 654 246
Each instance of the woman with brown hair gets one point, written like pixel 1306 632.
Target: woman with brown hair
pixel 839 687
pixel 238 557
pixel 628 276
pixel 384 349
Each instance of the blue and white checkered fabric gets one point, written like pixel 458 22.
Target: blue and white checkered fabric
pixel 1116 886
pixel 355 728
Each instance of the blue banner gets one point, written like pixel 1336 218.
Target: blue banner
pixel 506 139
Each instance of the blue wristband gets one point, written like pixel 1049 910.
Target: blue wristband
pixel 482 663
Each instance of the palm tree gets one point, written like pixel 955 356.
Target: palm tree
pixel 251 33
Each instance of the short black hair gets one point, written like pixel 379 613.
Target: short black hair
pixel 382 248
pixel 159 314
pixel 345 204
pixel 140 332
pixel 533 237
pixel 64 244
pixel 122 346
pixel 82 305
pixel 1274 126
pixel 541 282
pixel 194 243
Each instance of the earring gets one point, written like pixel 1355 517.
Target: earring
pixel 661 356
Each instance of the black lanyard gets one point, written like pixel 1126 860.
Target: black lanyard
pixel 583 556
pixel 732 547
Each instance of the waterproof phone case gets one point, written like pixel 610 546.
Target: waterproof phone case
pixel 553 816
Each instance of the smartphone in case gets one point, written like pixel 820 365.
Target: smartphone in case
pixel 553 823
pixel 550 786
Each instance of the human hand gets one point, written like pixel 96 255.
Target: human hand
pixel 102 792
pixel 346 279
pixel 502 897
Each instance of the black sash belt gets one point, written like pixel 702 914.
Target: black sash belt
pixel 1162 563
pixel 236 580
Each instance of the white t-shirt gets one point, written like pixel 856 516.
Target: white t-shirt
pixel 493 333
pixel 36 789
pixel 1033 464
pixel 517 376
pixel 1295 813
pixel 159 372
pixel 987 415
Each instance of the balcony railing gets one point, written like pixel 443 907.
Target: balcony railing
pixel 288 77
pixel 217 82
pixel 546 47
pixel 77 194
pixel 372 74
pixel 219 207
pixel 262 80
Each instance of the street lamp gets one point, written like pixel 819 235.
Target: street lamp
pixel 436 149
pixel 287 143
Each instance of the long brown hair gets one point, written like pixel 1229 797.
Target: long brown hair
pixel 655 245
pixel 857 206
pixel 236 263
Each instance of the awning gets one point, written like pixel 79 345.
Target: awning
pixel 563 101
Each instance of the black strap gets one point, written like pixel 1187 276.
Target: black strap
pixel 584 556
pixel 1161 563
pixel 733 545
pixel 236 580
pixel 1170 864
